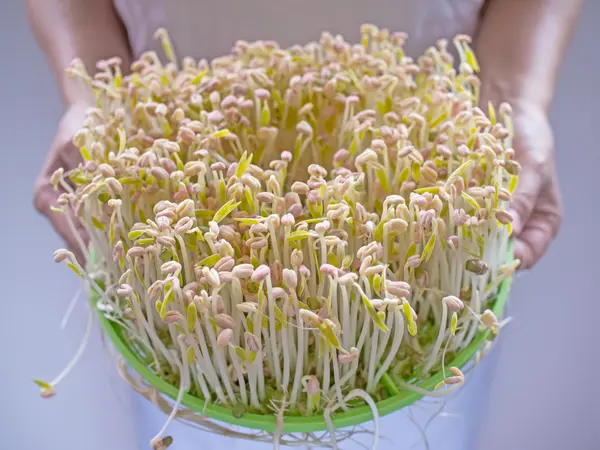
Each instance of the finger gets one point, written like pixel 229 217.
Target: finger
pixel 45 198
pixel 525 198
pixel 535 239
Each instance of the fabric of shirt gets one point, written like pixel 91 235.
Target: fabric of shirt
pixel 208 29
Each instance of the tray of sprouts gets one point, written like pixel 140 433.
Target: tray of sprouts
pixel 293 240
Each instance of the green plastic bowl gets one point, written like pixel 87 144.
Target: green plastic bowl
pixel 398 398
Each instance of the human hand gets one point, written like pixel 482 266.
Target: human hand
pixel 63 153
pixel 536 205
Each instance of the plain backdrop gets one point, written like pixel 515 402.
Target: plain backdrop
pixel 544 393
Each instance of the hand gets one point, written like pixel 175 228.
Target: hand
pixel 536 204
pixel 62 154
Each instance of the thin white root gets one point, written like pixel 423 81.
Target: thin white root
pixel 70 308
pixel 79 353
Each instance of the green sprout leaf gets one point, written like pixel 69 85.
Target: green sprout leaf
pixel 72 266
pixel 471 59
pixel 241 353
pixel 379 231
pixel 192 314
pixel 43 384
pixel 412 325
pixel 416 171
pixel 135 234
pixel 296 236
pixel 190 355
pixel 492 113
pixel 404 175
pixel 329 335
pixel 428 250
pixel 122 139
pixel 99 225
pixel 247 221
pixel 85 154
pixel 383 179
pixel 377 284
pixel 470 200
pixel 265 115
pixel 210 261
pixel 221 133
pixel 373 314
pixel 453 323
pixel 225 210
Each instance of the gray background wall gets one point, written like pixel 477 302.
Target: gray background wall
pixel 544 393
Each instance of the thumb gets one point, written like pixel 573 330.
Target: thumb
pixel 524 198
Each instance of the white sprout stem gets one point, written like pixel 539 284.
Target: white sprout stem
pixel 385 337
pixel 286 356
pixel 346 325
pixel 240 375
pixel 154 337
pixel 199 378
pixel 220 360
pixel 186 261
pixel 336 380
pixel 396 342
pixel 326 368
pixel 273 331
pixel 372 359
pixel 299 360
pixel 208 365
pixel 432 359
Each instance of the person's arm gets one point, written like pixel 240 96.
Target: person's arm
pixel 89 30
pixel 520 47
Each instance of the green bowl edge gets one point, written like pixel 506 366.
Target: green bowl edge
pixel 355 416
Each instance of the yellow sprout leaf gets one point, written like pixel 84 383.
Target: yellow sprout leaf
pixel 492 113
pixel 471 58
pixel 225 210
pixel 43 384
pixel 72 266
pixel 513 184
pixel 428 250
pixel 99 225
pixel 296 236
pixel 85 154
pixel 243 165
pixel 383 179
pixel 210 261
pixel 122 139
pixel 221 133
pixel 190 355
pixel 470 200
pixel 416 171
pixel 198 78
pixel 191 316
pixel 374 316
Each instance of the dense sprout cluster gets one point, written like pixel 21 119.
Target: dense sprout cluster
pixel 295 223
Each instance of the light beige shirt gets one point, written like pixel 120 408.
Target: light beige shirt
pixel 208 29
